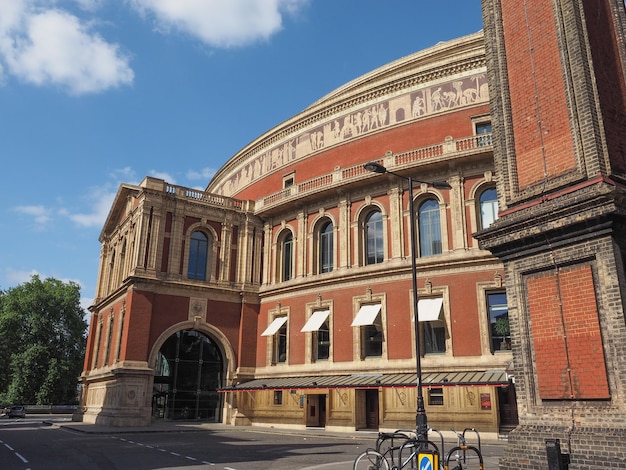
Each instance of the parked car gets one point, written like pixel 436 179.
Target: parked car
pixel 17 411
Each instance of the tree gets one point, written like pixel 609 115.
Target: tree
pixel 43 335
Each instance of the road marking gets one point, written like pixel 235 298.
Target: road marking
pixel 161 449
pixel 17 454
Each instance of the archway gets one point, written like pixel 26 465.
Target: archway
pixel 188 371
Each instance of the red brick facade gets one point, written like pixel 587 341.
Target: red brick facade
pixel 557 101
pixel 569 354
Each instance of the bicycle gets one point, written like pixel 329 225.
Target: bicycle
pixel 388 453
pixel 459 453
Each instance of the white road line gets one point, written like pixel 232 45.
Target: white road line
pixel 8 446
pixel 160 449
pixel 21 458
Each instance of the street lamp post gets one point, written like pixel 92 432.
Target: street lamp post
pixel 421 422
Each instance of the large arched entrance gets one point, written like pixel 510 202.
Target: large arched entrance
pixel 188 371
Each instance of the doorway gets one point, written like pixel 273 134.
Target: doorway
pixel 507 402
pixel 371 409
pixel 187 375
pixel 316 410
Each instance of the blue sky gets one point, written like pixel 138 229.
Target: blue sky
pixel 94 93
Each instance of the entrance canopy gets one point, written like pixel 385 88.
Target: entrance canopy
pixel 496 378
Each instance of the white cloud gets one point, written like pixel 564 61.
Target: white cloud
pixel 40 214
pixel 220 23
pixel 204 174
pixel 49 46
pixel 20 277
pixel 126 175
pixel 101 199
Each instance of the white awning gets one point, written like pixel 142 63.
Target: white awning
pixel 317 319
pixel 367 315
pixel 274 326
pixel 429 309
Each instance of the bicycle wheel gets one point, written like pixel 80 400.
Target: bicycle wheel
pixel 371 460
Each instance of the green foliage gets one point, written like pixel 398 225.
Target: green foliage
pixel 43 335
pixel 502 327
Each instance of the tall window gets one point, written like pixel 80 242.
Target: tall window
pixel 280 345
pixel 429 228
pixel 372 340
pixel 488 207
pixel 374 238
pixel 287 257
pixel 483 131
pixel 498 311
pixel 326 248
pixel 198 251
pixel 321 342
pixel 434 337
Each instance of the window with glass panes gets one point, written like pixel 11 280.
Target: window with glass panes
pixel 287 257
pixel 488 207
pixel 198 251
pixel 374 238
pixel 434 337
pixel 429 228
pixel 483 131
pixel 280 345
pixel 326 248
pixel 322 342
pixel 499 330
pixel 372 339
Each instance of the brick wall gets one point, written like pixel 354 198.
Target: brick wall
pixel 543 143
pixel 606 39
pixel 566 335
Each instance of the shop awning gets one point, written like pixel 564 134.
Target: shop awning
pixel 274 326
pixel 429 309
pixel 367 315
pixel 317 319
pixel 496 378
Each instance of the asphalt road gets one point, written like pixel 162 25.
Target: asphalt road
pixel 50 443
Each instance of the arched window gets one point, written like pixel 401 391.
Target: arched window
pixel 429 228
pixel 374 238
pixel 488 207
pixel 326 247
pixel 188 372
pixel 287 257
pixel 198 252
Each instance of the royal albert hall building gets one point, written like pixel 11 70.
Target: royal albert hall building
pixel 282 293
